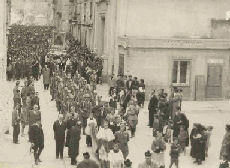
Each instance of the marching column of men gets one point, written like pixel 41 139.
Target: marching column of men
pixel 27 113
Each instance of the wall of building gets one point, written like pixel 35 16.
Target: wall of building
pixel 105 38
pixel 37 12
pixel 168 18
pixel 4 86
pixel 3 39
pixel 155 66
pixel 220 29
pixel 61 15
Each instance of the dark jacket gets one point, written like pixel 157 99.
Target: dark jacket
pixel 33 117
pixel 37 136
pixel 87 163
pixel 153 103
pixel 70 124
pixel 128 85
pixel 59 130
pixel 175 151
pixel 75 136
pixel 135 85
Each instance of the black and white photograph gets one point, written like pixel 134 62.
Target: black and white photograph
pixel 114 83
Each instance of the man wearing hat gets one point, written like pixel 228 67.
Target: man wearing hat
pixel 87 162
pixel 148 162
pixel 59 128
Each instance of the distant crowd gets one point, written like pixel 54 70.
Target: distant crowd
pixel 27 47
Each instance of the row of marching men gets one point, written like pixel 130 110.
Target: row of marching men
pixel 27 113
pixel 104 126
pixel 25 100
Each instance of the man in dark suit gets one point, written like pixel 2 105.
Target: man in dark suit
pixel 120 83
pixel 59 128
pixel 152 107
pixel 37 140
pixel 75 136
pixel 16 124
pixel 70 123
pixel 129 83
pixel 135 83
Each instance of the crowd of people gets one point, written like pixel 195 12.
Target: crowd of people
pixel 107 125
pixel 27 47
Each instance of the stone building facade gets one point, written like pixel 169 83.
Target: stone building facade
pixel 167 43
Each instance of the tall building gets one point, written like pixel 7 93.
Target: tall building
pixel 168 43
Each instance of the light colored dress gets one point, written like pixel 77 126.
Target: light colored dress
pixel 91 130
pixel 104 138
pixel 116 159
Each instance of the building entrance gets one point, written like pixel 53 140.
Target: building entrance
pixel 214 81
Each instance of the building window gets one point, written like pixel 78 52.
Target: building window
pixel 181 72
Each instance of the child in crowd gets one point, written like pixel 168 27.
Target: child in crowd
pixel 174 153
pixel 158 147
pixel 167 132
pixel 156 125
pixel 183 136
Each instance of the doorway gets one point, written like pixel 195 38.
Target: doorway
pixel 214 81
